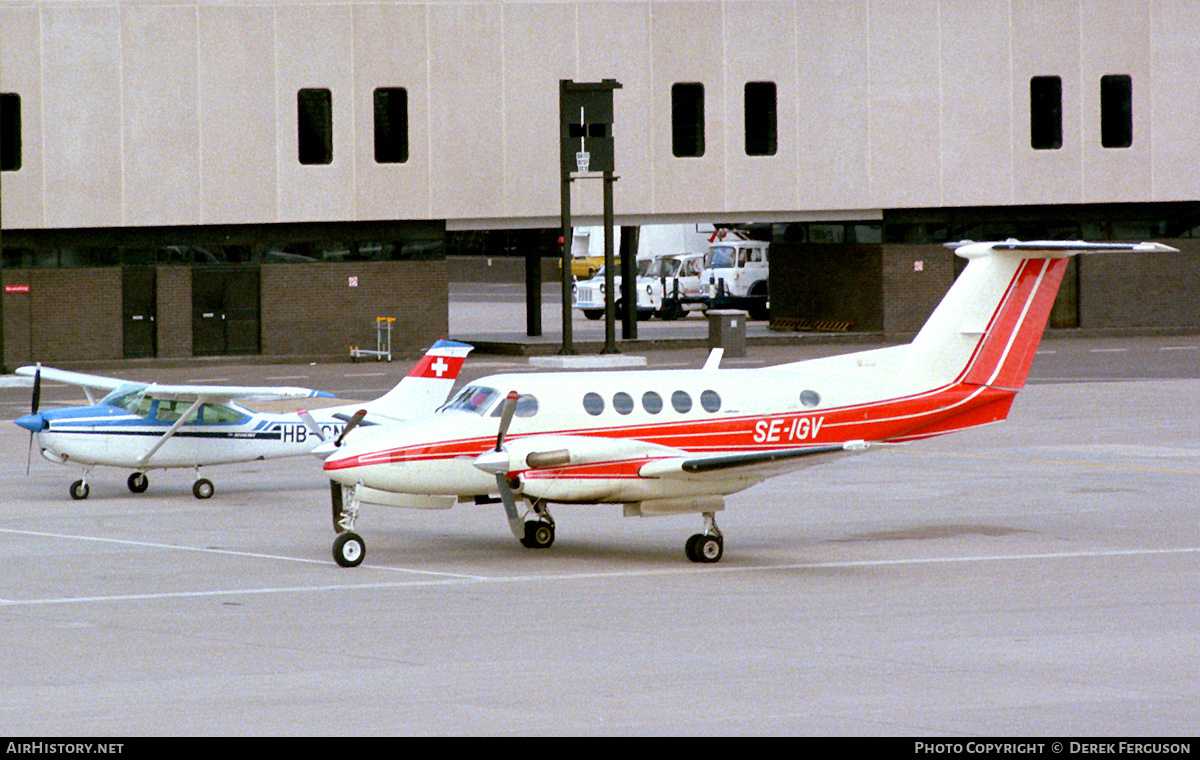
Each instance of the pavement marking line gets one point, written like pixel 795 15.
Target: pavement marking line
pixel 1107 350
pixel 226 552
pixel 460 580
pixel 1061 462
pixel 1178 348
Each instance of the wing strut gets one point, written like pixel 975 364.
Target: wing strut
pixel 170 431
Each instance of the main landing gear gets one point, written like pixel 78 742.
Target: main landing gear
pixel 538 529
pixel 708 546
pixel 137 482
pixel 349 547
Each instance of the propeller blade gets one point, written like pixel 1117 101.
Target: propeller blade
pixel 33 409
pixel 37 389
pixel 311 424
pixel 353 423
pixel 510 506
pixel 506 415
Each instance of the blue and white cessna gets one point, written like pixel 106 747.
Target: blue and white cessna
pixel 148 426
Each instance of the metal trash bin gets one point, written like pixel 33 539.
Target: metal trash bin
pixel 727 330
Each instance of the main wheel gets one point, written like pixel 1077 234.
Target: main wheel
pixel 79 490
pixel 203 488
pixel 538 535
pixel 348 549
pixel 138 482
pixel 702 548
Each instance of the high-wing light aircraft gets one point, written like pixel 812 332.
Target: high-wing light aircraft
pixel 143 427
pixel 678 441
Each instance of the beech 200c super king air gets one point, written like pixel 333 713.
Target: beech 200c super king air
pixel 677 441
pixel 143 427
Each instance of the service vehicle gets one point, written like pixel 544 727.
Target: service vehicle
pixel 673 285
pixel 736 273
pixel 588 295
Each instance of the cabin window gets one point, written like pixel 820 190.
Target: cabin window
pixel 761 137
pixel 314 126
pixel 710 401
pixel 652 402
pixel 593 403
pixel 622 403
pixel 1045 113
pixel 391 125
pixel 170 411
pixel 681 402
pixel 810 398
pixel 215 414
pixel 1116 111
pixel 687 120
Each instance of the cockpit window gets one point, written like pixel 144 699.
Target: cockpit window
pixel 527 406
pixel 129 398
pixel 474 398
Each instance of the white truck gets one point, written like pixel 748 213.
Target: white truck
pixel 736 274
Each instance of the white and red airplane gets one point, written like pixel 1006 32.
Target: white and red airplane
pixel 678 441
pixel 150 426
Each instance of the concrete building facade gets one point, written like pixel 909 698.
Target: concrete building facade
pixel 297 133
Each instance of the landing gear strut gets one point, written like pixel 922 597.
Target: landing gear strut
pixel 708 546
pixel 349 547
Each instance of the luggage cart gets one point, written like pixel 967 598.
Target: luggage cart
pixel 383 341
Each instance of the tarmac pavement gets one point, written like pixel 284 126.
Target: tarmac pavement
pixel 1036 578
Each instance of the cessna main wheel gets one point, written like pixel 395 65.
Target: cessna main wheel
pixel 202 488
pixel 348 549
pixel 138 482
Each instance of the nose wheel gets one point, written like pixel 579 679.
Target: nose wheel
pixel 349 549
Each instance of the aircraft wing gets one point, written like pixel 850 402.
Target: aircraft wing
pixel 209 393
pixel 755 463
pixel 558 451
pixel 80 379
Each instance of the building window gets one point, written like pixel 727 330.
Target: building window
pixel 687 120
pixel 1116 111
pixel 391 125
pixel 314 126
pixel 760 119
pixel 10 132
pixel 1045 113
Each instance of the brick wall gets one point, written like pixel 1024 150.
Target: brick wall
pixel 174 317
pixel 1159 290
pixel 68 315
pixel 839 283
pixel 915 277
pixel 314 310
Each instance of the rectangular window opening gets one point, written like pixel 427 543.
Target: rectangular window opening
pixel 687 120
pixel 314 126
pixel 391 125
pixel 10 132
pixel 1116 111
pixel 761 125
pixel 1045 113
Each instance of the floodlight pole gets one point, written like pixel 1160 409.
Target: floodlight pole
pixel 585 117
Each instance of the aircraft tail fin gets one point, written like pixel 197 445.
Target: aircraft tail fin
pixel 987 329
pixel 426 386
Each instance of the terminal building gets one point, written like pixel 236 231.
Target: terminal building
pixel 266 177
